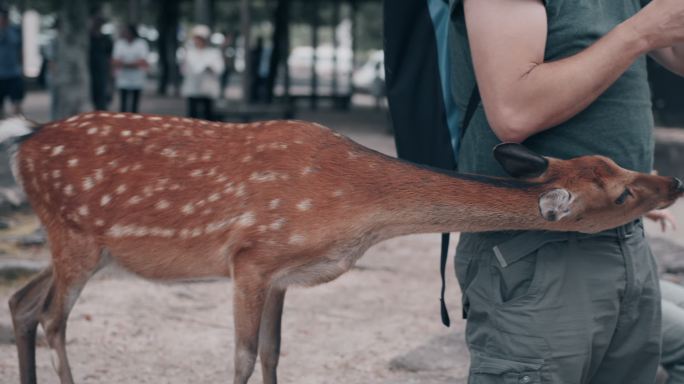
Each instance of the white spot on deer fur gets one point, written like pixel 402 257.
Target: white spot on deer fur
pixel 133 230
pixel 105 200
pixel 69 190
pixel 214 197
pixel 104 114
pixel 207 211
pixel 99 174
pixel 88 115
pixel 304 205
pixel 174 187
pixel 247 159
pixel 296 239
pixel 56 173
pixel 136 166
pixel 273 204
pixel 72 162
pixel 307 170
pixel 169 152
pixel 92 130
pixel 196 173
pixel 121 189
pixel 221 179
pixel 106 129
pixel 246 219
pixel 136 117
pixel 57 150
pixel 119 116
pixel 271 122
pixel 83 210
pixel 134 200
pixel 148 191
pixel 277 224
pixel 207 156
pixel 337 193
pixel 352 155
pixel 100 150
pixel 162 204
pixel 188 209
pixel 240 190
pixel 124 169
pixel 125 133
pixel 88 183
pixel 73 118
pixel 261 177
pixel 99 222
pixel 154 118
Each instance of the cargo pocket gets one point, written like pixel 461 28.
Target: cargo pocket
pixel 518 266
pixel 492 370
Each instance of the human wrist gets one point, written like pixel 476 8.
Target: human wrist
pixel 636 39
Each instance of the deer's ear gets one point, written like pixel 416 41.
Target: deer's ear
pixel 518 161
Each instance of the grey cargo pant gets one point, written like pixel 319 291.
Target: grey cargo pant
pixel 562 308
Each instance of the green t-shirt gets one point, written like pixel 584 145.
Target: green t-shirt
pixel 619 124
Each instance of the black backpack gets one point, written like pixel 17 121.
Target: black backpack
pixel 421 116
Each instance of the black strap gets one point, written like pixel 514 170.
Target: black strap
pixel 470 111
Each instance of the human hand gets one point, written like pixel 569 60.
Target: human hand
pixel 662 216
pixel 660 23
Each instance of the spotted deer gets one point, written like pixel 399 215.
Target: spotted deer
pixel 271 205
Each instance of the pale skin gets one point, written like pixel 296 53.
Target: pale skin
pixel 527 95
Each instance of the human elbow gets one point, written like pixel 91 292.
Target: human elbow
pixel 513 125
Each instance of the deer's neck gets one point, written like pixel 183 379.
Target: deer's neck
pixel 421 201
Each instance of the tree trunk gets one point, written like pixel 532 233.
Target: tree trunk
pixel 167 23
pixel 71 66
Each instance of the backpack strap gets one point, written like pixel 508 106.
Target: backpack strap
pixel 473 102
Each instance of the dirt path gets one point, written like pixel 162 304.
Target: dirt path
pixel 126 330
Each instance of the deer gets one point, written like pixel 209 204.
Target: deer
pixel 270 205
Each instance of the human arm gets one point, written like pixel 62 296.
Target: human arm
pixel 671 58
pixel 527 95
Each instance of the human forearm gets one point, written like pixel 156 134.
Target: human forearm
pixel 671 58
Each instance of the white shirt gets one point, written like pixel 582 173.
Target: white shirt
pixel 202 69
pixel 130 52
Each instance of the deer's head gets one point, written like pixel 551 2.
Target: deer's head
pixel 588 193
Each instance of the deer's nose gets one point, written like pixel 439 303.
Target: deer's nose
pixel 677 185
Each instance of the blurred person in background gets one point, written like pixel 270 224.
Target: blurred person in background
pixel 11 82
pixel 130 67
pixel 202 68
pixel 99 55
pixel 228 51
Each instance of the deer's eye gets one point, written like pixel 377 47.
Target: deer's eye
pixel 621 199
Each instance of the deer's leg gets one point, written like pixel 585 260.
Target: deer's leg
pixel 248 304
pixel 26 307
pixel 63 295
pixel 269 334
pixel 49 300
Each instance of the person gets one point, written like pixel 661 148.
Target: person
pixel 570 80
pixel 99 65
pixel 672 350
pixel 130 64
pixel 201 69
pixel 11 81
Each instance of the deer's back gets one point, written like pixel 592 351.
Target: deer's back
pixel 151 184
